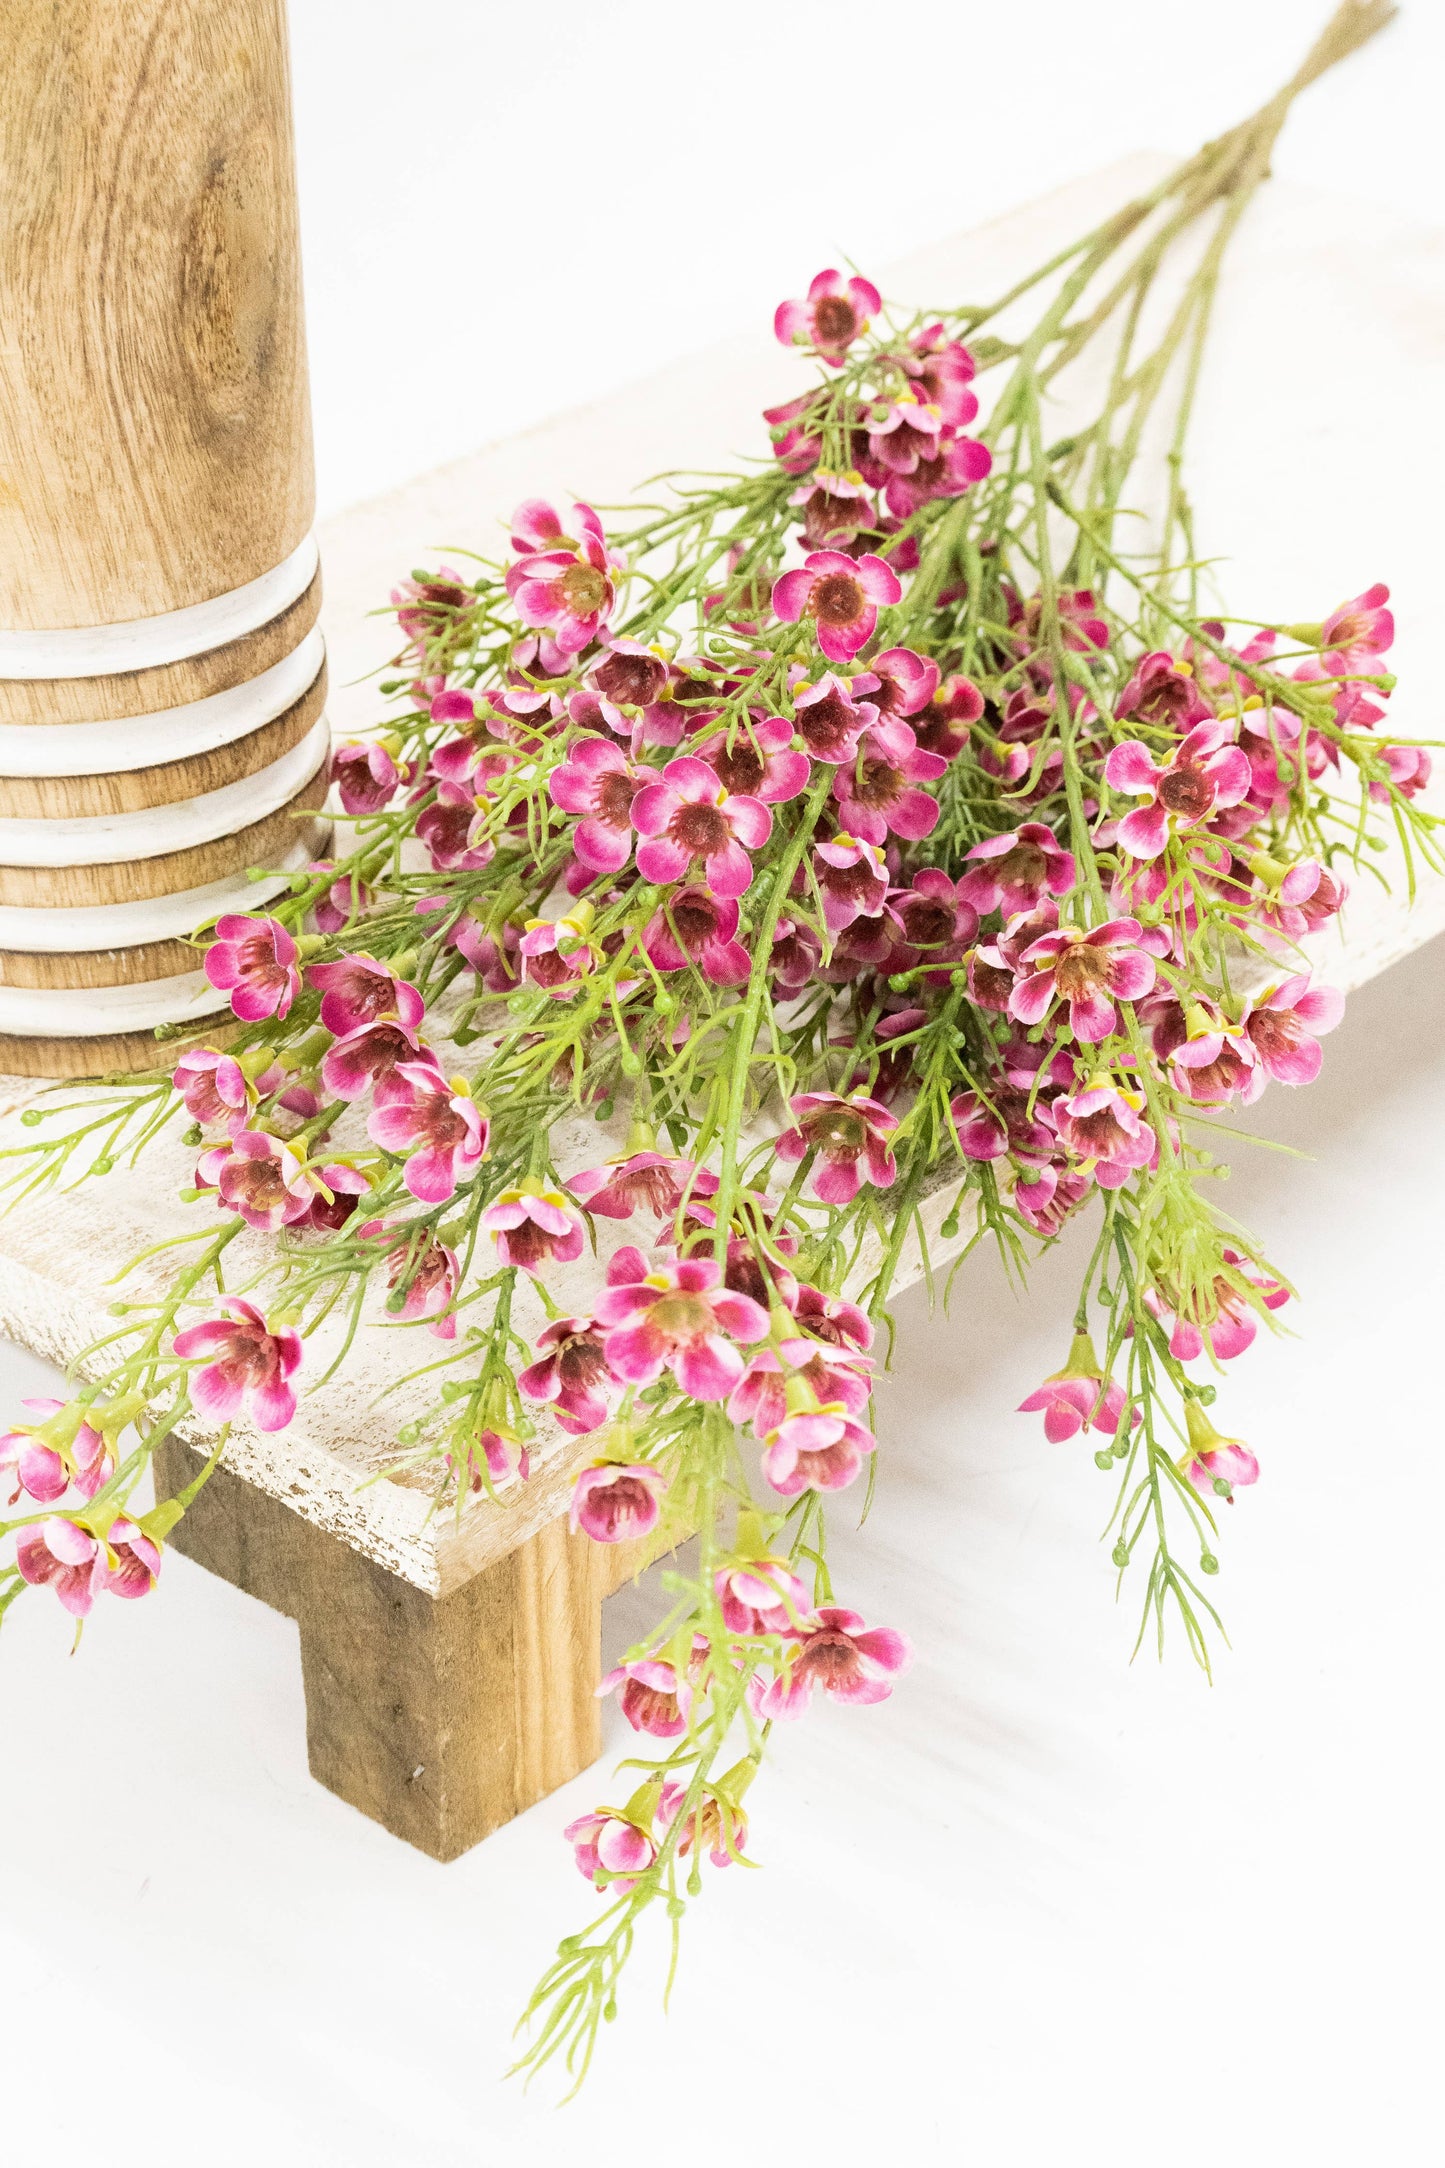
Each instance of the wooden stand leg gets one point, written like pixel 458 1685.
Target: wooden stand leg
pixel 441 1718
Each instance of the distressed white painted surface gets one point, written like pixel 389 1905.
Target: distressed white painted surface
pixel 147 643
pixel 143 741
pixel 1308 479
pixel 58 932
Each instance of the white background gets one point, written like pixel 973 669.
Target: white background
pixel 1043 1904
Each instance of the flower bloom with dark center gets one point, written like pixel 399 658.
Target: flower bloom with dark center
pixel 254 961
pixel 761 1596
pixel 260 1177
pixel 679 1318
pixel 370 1058
pixel 212 1085
pixel 853 877
pixel 688 816
pixel 613 1500
pixel 248 1363
pixel 906 430
pixel 1227 1323
pixel 943 370
pixel 437 1125
pixel 1071 1404
pixel 1205 773
pixel 816 1449
pixel 758 759
pixel 571 1375
pixel 694 927
pixel 562 581
pixel 656 1180
pixel 950 469
pixel 652 1697
pixel 425 608
pixel 837 311
pixel 425 1271
pixel 64 1555
pixel 795 956
pixel 835 507
pixel 944 725
pixel 1091 971
pixel 610 1850
pixel 898 682
pixel 1162 695
pixel 877 791
pixel 42 1470
pixel 453 829
pixel 598 782
pixel 850 1661
pixel 532 1227
pixel 557 952
pixel 1107 1128
pixel 828 719
pixel 366 776
pixel 1012 872
pixel 1358 633
pixel 842 595
pixel 850 1138
pixel 357 991
pixel 628 679
pixel 1284 1023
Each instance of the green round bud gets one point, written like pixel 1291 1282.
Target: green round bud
pixel 32 1117
pixel 1208 1563
pixel 395 1300
pixel 193 1135
pixel 1222 1489
pixel 1205 1395
pixel 664 1004
pixel 959 979
pixel 899 983
pixel 1104 1460
pixel 950 1226
pixel 1120 1554
pixel 631 1064
pixel 103 1166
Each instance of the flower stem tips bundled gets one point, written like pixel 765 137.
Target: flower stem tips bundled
pixel 875 823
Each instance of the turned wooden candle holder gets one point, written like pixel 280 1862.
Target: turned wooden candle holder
pixel 162 676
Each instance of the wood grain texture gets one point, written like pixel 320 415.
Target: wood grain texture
pixel 67 887
pixel 439 1717
pixel 146 961
pixel 68 797
pixel 117 1054
pixel 172 685
pixel 155 441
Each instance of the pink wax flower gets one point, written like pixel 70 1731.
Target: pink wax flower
pixel 717 1825
pixel 598 782
pixel 260 1177
pixel 62 1555
pixel 1233 1326
pixel 488 1458
pixel 852 1662
pixel 1210 1060
pixel 628 679
pixel 944 726
pixel 819 1448
pixel 357 991
pixel 1048 1199
pixel 1078 1397
pixel 877 791
pixel 679 1318
pixel 943 370
pixel 533 1227
pixel 836 312
pixel 1014 872
pixel 853 876
pixel 247 1363
pixel 761 1596
pixel 833 1319
pixel 898 682
pixel 850 1138
pixel 1215 1465
pixel 903 431
pixel 562 581
pixel 1084 630
pixel 842 595
pixel 366 776
pixel 370 1057
pixel 571 1375
pixel 440 1128
pixel 1358 633
pixel 1205 773
pixel 836 506
pixel 652 1697
pixel 1091 971
pixel 828 719
pixel 128 1563
pixel 955 463
pixel 656 1180
pixel 424 1267
pixel 1306 898
pixel 1409 769
pixel 557 953
pixel 688 816
pixel 796 953
pixel 935 919
pixel 610 1850
pixel 613 1500
pixel 254 961
pixel 345 900
pixel 1108 1129
pixel 1161 695
pixel 793 428
pixel 694 927
pixel 425 608
pixel 212 1086
pixel 41 1470
pixel 757 759
pixel 453 829
pixel 1284 1023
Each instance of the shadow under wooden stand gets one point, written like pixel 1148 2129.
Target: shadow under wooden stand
pixel 441 1717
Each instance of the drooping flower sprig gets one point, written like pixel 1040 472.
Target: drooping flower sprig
pixel 872 835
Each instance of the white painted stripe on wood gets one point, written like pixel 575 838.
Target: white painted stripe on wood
pixel 85 1012
pixel 148 643
pixel 50 931
pixel 111 839
pixel 143 741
